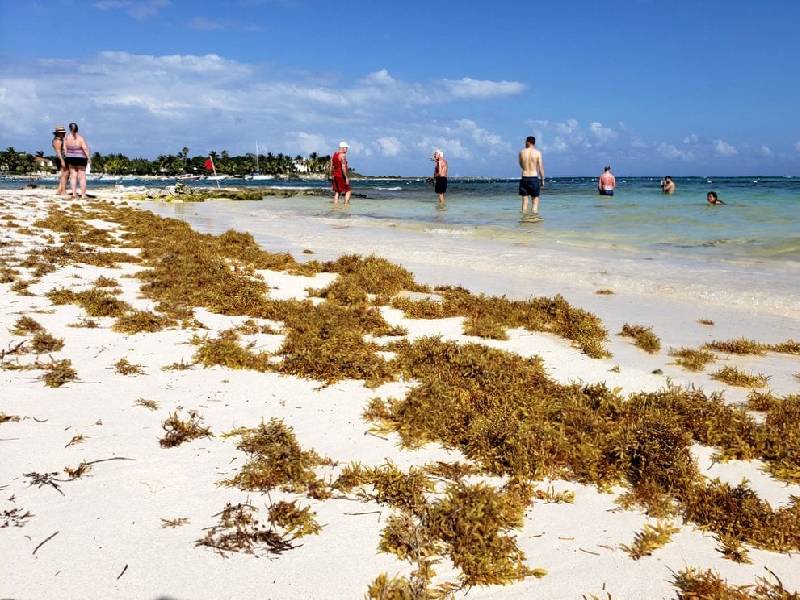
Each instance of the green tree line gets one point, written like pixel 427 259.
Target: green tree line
pixel 14 162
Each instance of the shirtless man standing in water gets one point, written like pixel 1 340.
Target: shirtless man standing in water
pixel 530 161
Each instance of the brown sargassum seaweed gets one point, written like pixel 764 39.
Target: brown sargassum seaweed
pixel 501 410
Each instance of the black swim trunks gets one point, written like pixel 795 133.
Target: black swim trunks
pixel 529 186
pixel 76 161
pixel 605 192
pixel 440 185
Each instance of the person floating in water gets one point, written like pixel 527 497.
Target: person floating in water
pixel 530 161
pixel 606 183
pixel 340 177
pixel 713 199
pixel 667 185
pixel 440 175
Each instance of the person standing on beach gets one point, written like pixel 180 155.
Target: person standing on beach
pixel 530 161
pixel 667 185
pixel 606 183
pixel 440 175
pixel 340 174
pixel 63 170
pixel 76 155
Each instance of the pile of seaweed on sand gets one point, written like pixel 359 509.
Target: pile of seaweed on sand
pixel 502 411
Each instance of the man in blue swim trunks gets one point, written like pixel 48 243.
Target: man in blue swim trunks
pixel 530 161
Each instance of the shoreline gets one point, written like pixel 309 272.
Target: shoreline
pixel 111 537
pixel 748 285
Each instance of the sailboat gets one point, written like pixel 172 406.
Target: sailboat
pixel 210 163
pixel 256 175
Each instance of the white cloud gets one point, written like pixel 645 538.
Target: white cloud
pixel 305 143
pixel 766 151
pixel 723 148
pixel 143 104
pixel 138 9
pixel 206 24
pixel 389 145
pixel 486 139
pixel 569 136
pixel 691 139
pixel 482 88
pixel 602 134
pixel 671 152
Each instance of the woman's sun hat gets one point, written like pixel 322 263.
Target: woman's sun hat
pixel 59 129
pixel 344 145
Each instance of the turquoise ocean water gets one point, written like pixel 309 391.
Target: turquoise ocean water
pixel 760 221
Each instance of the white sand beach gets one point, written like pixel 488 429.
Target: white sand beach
pixel 128 527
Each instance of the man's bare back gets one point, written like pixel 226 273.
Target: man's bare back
pixel 530 161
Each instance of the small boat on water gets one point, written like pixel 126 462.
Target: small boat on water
pixel 215 177
pixel 258 177
pixel 188 177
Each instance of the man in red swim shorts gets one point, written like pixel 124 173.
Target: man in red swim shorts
pixel 339 174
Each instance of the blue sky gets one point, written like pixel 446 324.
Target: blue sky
pixel 649 86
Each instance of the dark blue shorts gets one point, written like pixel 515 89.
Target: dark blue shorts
pixel 440 185
pixel 529 186
pixel 606 192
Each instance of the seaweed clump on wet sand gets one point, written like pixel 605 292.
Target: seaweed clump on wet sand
pixel 739 378
pixel 276 460
pixel 702 585
pixel 643 337
pixel 178 431
pixel 491 316
pixel 692 359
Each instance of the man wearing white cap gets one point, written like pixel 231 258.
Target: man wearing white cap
pixel 339 174
pixel 440 175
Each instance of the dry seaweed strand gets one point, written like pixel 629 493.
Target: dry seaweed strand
pixel 239 530
pixel 178 431
pixel 26 325
pixel 276 460
pixel 692 359
pixel 643 337
pixel 44 343
pixel 649 539
pixel 736 377
pixel 142 321
pixel 124 367
pixel 148 404
pixel 701 585
pixel 741 346
pixel 58 372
